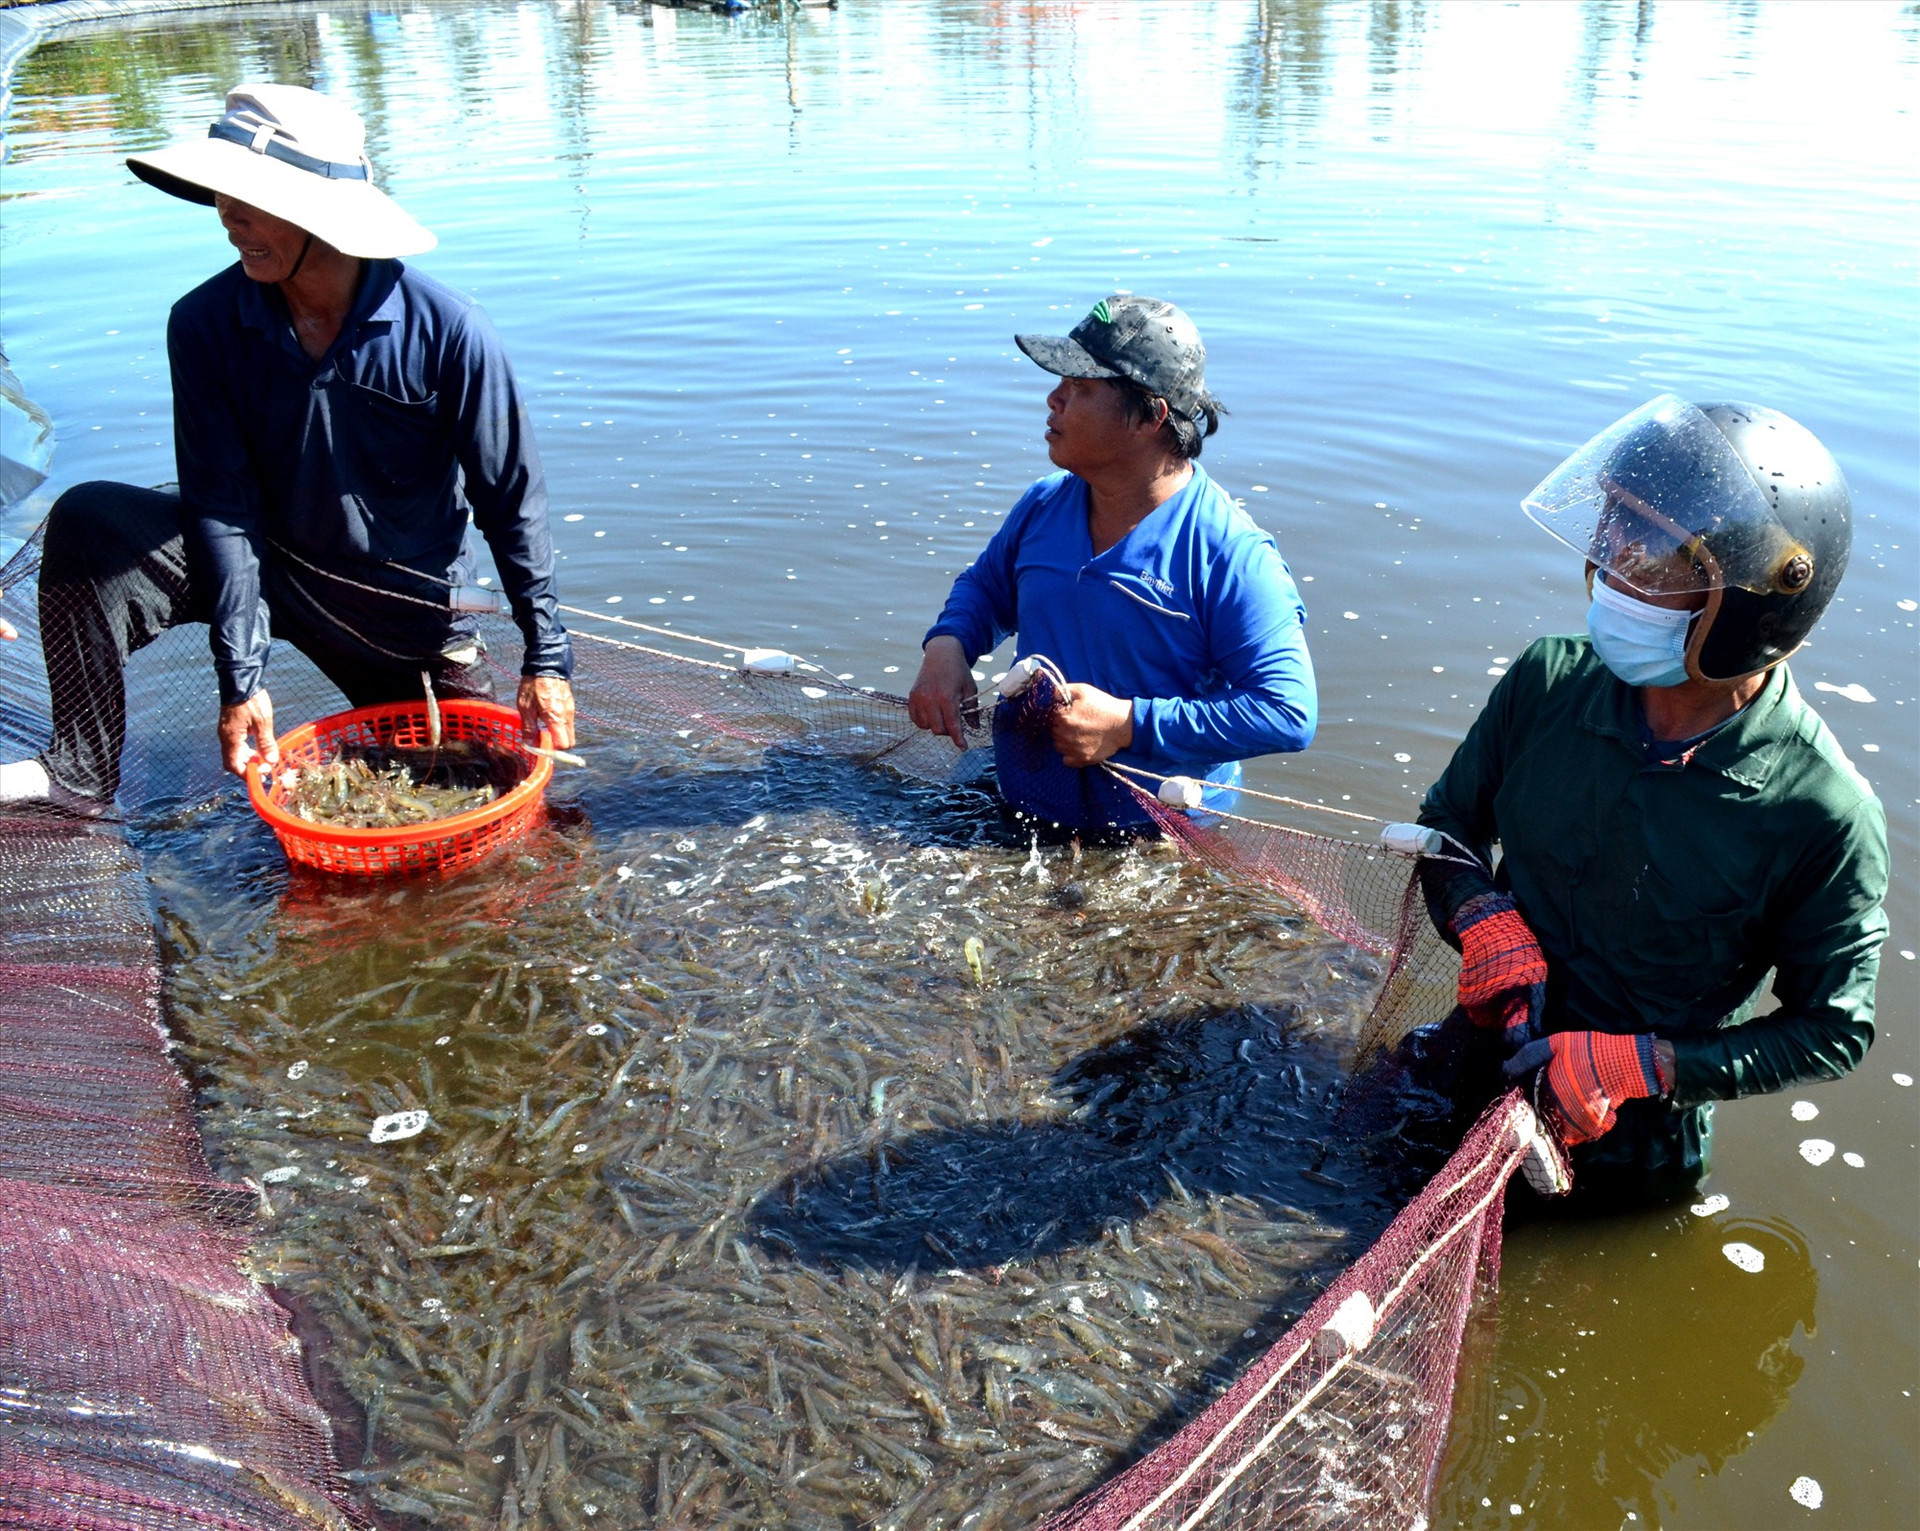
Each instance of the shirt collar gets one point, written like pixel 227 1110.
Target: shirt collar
pixel 1174 504
pixel 1744 749
pixel 378 301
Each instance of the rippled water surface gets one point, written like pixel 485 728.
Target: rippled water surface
pixel 759 277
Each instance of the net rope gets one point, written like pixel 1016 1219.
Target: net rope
pixel 1340 1422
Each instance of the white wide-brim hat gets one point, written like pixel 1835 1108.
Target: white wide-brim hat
pixel 298 155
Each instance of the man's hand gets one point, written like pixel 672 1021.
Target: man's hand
pixel 8 631
pixel 1503 972
pixel 246 730
pixel 944 693
pixel 1091 726
pixel 1585 1076
pixel 548 700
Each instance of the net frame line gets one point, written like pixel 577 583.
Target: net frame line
pixel 1131 776
pixel 1508 1137
pixel 1473 1215
pixel 1466 857
pixel 814 674
pixel 1127 773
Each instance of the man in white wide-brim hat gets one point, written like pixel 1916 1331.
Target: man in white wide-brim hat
pixel 337 419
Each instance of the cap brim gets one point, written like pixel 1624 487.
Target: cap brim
pixel 355 217
pixel 1061 356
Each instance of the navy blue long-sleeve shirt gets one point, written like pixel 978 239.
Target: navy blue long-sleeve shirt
pixel 1192 615
pixel 343 486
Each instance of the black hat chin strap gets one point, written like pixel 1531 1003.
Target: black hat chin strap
pixel 299 262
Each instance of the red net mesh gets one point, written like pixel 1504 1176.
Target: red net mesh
pixel 1357 890
pixel 144 1383
pixel 1342 1422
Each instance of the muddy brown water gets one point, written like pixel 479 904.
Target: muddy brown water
pixel 759 278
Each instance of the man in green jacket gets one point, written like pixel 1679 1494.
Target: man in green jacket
pixel 1675 822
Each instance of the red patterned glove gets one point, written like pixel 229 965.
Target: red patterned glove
pixel 1503 972
pixel 1588 1073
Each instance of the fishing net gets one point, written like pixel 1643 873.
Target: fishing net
pixel 1341 1422
pixel 144 1381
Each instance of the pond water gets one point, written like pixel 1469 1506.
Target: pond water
pixel 759 278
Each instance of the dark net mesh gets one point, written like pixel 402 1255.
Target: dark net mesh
pixel 143 1382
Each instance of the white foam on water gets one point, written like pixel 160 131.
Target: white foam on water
pixel 1853 691
pixel 1804 1110
pixel 1853 1161
pixel 299 1070
pixel 1816 1151
pixel 1807 1491
pixel 1714 1203
pixel 281 1175
pixel 1745 1256
pixel 397 1125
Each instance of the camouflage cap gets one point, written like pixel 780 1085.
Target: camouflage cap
pixel 1144 340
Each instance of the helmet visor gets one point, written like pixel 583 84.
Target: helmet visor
pixel 1664 504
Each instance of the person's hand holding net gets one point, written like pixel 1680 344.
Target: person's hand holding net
pixel 1584 1077
pixel 945 696
pixel 1503 972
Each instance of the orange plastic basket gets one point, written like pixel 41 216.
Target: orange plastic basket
pixel 441 845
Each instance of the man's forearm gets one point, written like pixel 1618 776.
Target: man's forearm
pixel 239 632
pixel 1771 1052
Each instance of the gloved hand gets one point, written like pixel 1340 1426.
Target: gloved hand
pixel 1503 972
pixel 1589 1073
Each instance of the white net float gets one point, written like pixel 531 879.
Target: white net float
pixel 1179 792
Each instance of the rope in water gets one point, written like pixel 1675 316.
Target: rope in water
pixel 1120 772
pixel 1124 771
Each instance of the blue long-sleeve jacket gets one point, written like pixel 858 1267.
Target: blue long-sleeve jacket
pixel 341 487
pixel 1193 614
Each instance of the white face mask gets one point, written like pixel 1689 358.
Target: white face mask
pixel 1643 644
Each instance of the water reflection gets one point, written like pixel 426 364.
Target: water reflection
pixel 1432 247
pixel 1620 1374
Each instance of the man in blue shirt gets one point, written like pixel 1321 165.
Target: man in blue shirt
pixel 337 419
pixel 1171 617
